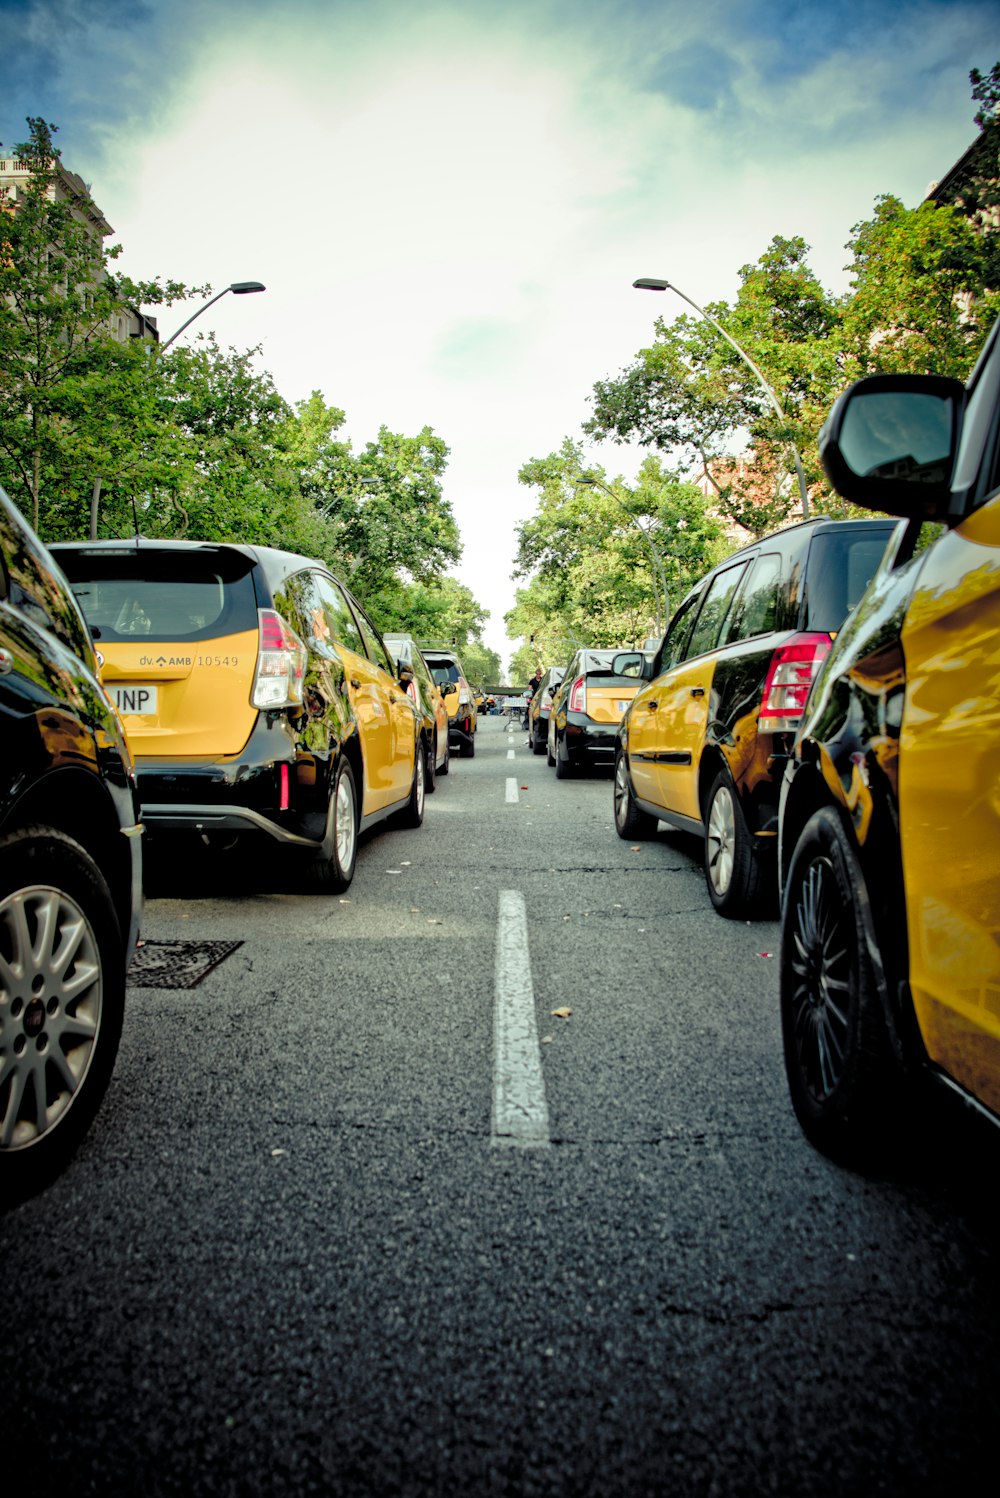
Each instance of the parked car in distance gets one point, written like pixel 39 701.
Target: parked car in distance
pixel 448 672
pixel 70 867
pixel 539 708
pixel 890 813
pixel 587 706
pixel 705 740
pixel 426 697
pixel 257 696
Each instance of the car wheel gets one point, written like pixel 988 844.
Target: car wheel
pixel 564 767
pixel 63 987
pixel 333 868
pixel 550 758
pixel 630 822
pixel 468 748
pixel 538 744
pixel 844 1085
pixel 430 774
pixel 446 763
pixel 732 871
pixel 413 813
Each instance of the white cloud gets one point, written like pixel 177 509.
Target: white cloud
pixel 448 208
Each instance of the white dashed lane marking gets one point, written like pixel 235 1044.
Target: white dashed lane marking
pixel 520 1112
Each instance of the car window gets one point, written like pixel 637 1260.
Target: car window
pixel 713 611
pixel 168 596
pixel 755 607
pixel 840 566
pixel 676 638
pixel 330 603
pixel 373 643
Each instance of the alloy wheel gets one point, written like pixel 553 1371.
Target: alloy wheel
pixel 51 987
pixel 820 964
pixel 721 840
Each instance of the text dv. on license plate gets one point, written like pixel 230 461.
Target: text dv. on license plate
pixel 129 698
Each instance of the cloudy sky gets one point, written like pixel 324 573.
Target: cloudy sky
pixel 448 203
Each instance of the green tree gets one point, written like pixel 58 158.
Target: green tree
pixel 594 558
pixel 386 505
pixel 75 404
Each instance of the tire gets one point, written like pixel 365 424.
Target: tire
pixel 538 744
pixel 64 1001
pixel 845 1087
pixel 333 869
pixel 630 822
pixel 468 750
pixel 413 813
pixel 446 766
pixel 564 768
pixel 733 871
pixel 430 774
pixel 550 758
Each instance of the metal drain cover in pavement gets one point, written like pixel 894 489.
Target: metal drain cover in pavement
pixel 177 964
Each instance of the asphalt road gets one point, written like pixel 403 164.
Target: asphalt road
pixel 363 1214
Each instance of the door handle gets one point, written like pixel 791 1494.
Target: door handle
pixel 651 707
pixel 355 683
pixel 697 691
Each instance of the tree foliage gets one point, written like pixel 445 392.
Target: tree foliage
pixel 76 404
pixel 923 296
pixel 599 556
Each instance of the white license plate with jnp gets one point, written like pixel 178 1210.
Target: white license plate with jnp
pixel 131 699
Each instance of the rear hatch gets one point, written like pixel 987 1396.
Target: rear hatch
pixel 177 636
pixel 599 693
pixel 608 696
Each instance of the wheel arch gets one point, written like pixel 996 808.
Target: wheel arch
pixel 77 803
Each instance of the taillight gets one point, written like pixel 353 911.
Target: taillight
pixel 578 695
pixel 281 663
pixel 546 702
pixel 790 675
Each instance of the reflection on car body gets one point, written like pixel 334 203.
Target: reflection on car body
pixel 70 866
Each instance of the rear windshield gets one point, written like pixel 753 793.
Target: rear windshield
pixel 443 673
pixel 840 567
pixel 163 596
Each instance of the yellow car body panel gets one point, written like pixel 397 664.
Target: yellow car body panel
pixel 949 794
pixel 667 724
pixel 608 704
pixel 385 718
pixel 190 700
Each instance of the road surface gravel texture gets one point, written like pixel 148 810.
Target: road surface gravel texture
pixel 301 1252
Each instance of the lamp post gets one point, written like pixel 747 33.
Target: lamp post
pixel 653 283
pixel 659 588
pixel 238 288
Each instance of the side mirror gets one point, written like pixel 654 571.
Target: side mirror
pixel 630 663
pixel 406 675
pixel 890 443
pixel 405 656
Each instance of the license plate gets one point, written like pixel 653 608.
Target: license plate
pixel 131 699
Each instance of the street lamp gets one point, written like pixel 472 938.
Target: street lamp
pixel 238 288
pixel 594 483
pixel 653 283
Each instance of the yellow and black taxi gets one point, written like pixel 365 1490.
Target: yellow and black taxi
pixel 70 866
pixel 448 672
pixel 705 740
pixel 540 707
pixel 426 696
pixel 257 696
pixel 586 709
pixel 890 812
